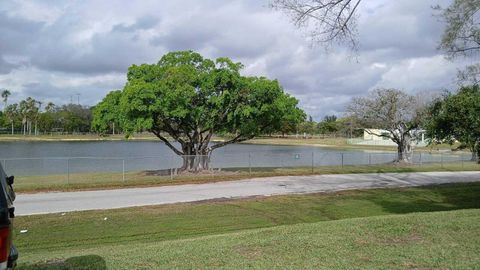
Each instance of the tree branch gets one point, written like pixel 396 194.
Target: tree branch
pixel 234 140
pixel 174 149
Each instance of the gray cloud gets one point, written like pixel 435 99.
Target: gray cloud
pixel 53 50
pixel 6 67
pixel 143 23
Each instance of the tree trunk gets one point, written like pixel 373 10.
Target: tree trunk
pixel 195 158
pixel 475 152
pixel 195 162
pixel 12 127
pixel 404 149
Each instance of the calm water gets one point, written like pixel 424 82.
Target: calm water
pixel 44 158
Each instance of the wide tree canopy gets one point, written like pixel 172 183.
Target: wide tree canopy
pixel 457 117
pixel 392 110
pixel 188 98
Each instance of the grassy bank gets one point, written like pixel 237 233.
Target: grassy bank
pixel 86 137
pixel 339 143
pixel 85 181
pixel 226 234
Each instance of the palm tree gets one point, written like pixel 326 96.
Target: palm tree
pixel 50 107
pixel 23 112
pixel 37 114
pixel 5 94
pixel 12 113
pixel 32 111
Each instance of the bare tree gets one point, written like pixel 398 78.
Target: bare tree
pixel 462 34
pixel 328 21
pixel 391 110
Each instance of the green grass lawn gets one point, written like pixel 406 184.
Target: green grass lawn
pixel 439 240
pixel 274 232
pixel 84 181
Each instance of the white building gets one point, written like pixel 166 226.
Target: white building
pixel 375 137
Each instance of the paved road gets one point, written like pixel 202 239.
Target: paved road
pixel 55 202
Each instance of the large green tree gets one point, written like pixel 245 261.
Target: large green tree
pixel 190 98
pixel 457 117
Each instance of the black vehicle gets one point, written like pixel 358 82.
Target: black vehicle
pixel 8 252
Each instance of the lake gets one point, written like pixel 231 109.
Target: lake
pixel 45 158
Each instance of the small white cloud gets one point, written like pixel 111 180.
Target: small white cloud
pixel 378 66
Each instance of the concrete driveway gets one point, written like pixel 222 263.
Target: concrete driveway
pixel 55 202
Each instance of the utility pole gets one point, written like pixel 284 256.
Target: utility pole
pixel 78 98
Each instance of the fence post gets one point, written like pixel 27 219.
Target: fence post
pixel 123 170
pixel 342 160
pixel 171 167
pixel 68 171
pixel 313 159
pixel 421 159
pixel 249 164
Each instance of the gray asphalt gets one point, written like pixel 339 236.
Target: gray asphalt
pixel 58 202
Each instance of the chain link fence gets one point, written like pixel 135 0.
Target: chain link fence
pixel 38 173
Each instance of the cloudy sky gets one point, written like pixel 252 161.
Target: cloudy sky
pixel 53 50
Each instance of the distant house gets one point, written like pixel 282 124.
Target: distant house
pixel 370 134
pixel 375 136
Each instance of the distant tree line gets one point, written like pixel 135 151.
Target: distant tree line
pixel 331 125
pixel 33 117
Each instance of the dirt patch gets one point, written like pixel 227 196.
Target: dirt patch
pixel 248 252
pixel 167 172
pixel 156 172
pixel 411 238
